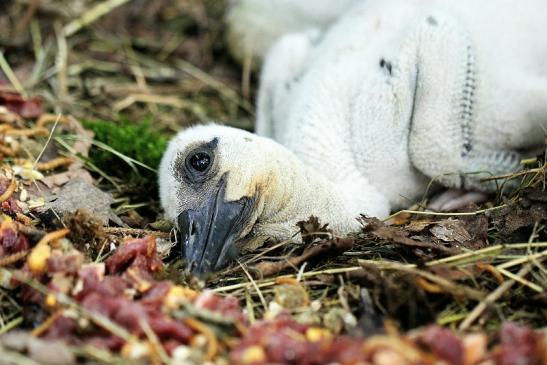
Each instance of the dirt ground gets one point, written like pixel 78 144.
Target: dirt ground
pixel 90 271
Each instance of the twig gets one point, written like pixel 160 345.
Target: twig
pixel 5 67
pixel 151 99
pixel 215 84
pixel 91 15
pixel 47 141
pixel 492 270
pixel 23 22
pixel 521 260
pixel 446 284
pixel 23 219
pixel 61 61
pixel 8 260
pixel 517 174
pixel 266 283
pixel 51 118
pixel 478 254
pixel 269 268
pixel 212 342
pixel 136 232
pixel 27 132
pixel 11 325
pixel 491 298
pixel 523 281
pixel 54 164
pixel 9 191
pixel 301 272
pixel 461 214
pixel 53 236
pixel 44 326
pixel 257 256
pixel 5 150
pixel 154 341
pixel 262 300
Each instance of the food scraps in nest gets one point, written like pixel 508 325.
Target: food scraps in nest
pixel 119 307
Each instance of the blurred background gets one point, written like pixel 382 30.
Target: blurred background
pixel 131 71
pixel 163 61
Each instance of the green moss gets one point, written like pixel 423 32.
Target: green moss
pixel 138 141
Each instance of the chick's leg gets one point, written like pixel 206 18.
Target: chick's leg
pixel 454 199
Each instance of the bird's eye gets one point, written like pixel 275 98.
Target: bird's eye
pixel 199 161
pixel 197 165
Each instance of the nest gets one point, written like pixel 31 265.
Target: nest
pixel 80 282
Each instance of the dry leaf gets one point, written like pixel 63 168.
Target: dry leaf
pixel 450 230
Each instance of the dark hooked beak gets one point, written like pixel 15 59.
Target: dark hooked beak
pixel 209 233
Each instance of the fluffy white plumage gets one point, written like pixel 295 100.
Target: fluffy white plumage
pixel 366 113
pixel 407 90
pixel 254 26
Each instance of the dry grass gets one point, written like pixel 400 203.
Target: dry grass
pixel 125 59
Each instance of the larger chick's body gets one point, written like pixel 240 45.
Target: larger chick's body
pixel 362 116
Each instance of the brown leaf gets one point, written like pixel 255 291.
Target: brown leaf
pixel 312 230
pixel 531 208
pixel 450 230
pixel 477 226
pixel 268 268
pixel 418 225
pixel 399 235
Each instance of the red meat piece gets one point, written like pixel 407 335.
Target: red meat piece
pixel 29 108
pixel 138 253
pixel 443 343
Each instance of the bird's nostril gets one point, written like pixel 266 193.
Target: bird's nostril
pixel 193 228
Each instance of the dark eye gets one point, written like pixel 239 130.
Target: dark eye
pixel 199 161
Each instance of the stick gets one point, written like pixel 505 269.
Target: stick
pixel 253 282
pixel 91 15
pixel 136 232
pixel 462 214
pixel 491 298
pixel 47 141
pixel 4 65
pixel 9 191
pixel 516 174
pixel 266 283
pixel 269 268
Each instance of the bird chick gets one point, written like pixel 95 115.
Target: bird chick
pixel 360 118
pixel 229 190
